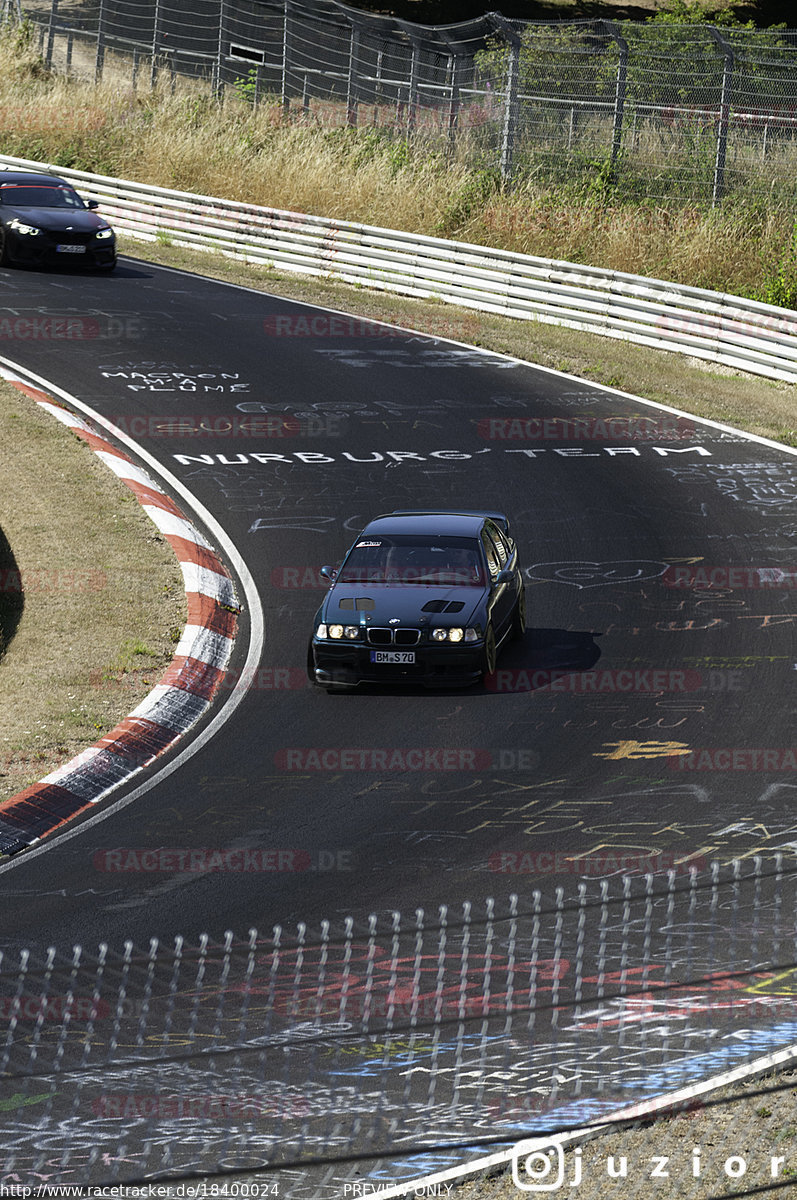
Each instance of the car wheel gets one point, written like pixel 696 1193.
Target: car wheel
pixel 489 652
pixel 519 616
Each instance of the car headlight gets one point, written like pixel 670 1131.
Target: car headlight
pixel 321 631
pixel 352 632
pixel 455 634
pixel 336 632
pixel 21 227
pixel 103 233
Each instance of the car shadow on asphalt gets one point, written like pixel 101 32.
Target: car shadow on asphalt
pixel 122 270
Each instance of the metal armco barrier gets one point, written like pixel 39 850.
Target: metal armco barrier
pixel 723 328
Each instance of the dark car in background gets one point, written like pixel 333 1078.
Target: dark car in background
pixel 421 597
pixel 43 222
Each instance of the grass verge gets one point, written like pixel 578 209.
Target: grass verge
pixel 101 601
pixel 696 1144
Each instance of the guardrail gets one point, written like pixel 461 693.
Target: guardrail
pixel 723 328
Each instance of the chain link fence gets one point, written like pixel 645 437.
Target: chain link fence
pixel 640 111
pixel 397 1038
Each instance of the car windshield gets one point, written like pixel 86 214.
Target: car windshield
pixel 39 195
pixel 411 560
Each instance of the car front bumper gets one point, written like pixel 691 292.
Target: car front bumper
pixel 42 250
pixel 348 664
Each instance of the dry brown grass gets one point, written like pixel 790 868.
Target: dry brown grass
pixel 103 596
pixel 187 140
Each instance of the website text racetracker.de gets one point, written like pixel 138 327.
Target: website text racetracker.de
pixel 199 1190
pixel 735 758
pixel 209 425
pixel 585 429
pixel 405 759
pixel 643 681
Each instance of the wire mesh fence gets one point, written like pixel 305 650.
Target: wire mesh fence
pixel 393 1038
pixel 637 110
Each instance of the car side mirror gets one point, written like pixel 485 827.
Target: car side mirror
pixel 92 204
pixel 504 576
pixel 329 573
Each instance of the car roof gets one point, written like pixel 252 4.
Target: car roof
pixel 30 177
pixel 457 524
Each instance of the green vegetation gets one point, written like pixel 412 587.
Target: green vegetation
pixel 187 139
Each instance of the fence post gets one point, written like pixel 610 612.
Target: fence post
pixel 380 57
pixel 48 58
pixel 512 87
pixel 156 40
pixel 100 57
pixel 218 70
pixel 415 62
pixel 352 81
pixel 725 112
pixel 619 90
pixel 286 56
pixel 456 67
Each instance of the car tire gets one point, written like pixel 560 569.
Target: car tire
pixel 489 654
pixel 519 616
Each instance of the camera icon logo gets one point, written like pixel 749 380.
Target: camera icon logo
pixel 538 1166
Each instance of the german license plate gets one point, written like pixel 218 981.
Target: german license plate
pixel 71 249
pixel 393 656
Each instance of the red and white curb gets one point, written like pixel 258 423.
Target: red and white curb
pixel 183 694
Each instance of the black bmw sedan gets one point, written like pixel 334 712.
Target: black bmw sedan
pixel 421 597
pixel 43 221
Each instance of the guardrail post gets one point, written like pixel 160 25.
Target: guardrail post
pixel 511 91
pixel 99 61
pixel 619 90
pixel 725 113
pixel 48 58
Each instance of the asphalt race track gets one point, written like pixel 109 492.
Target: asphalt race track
pixel 456 796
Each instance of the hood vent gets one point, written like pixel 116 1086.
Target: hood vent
pixel 361 603
pixel 443 606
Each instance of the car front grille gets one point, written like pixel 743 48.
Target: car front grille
pixel 407 637
pixel 393 637
pixel 69 237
